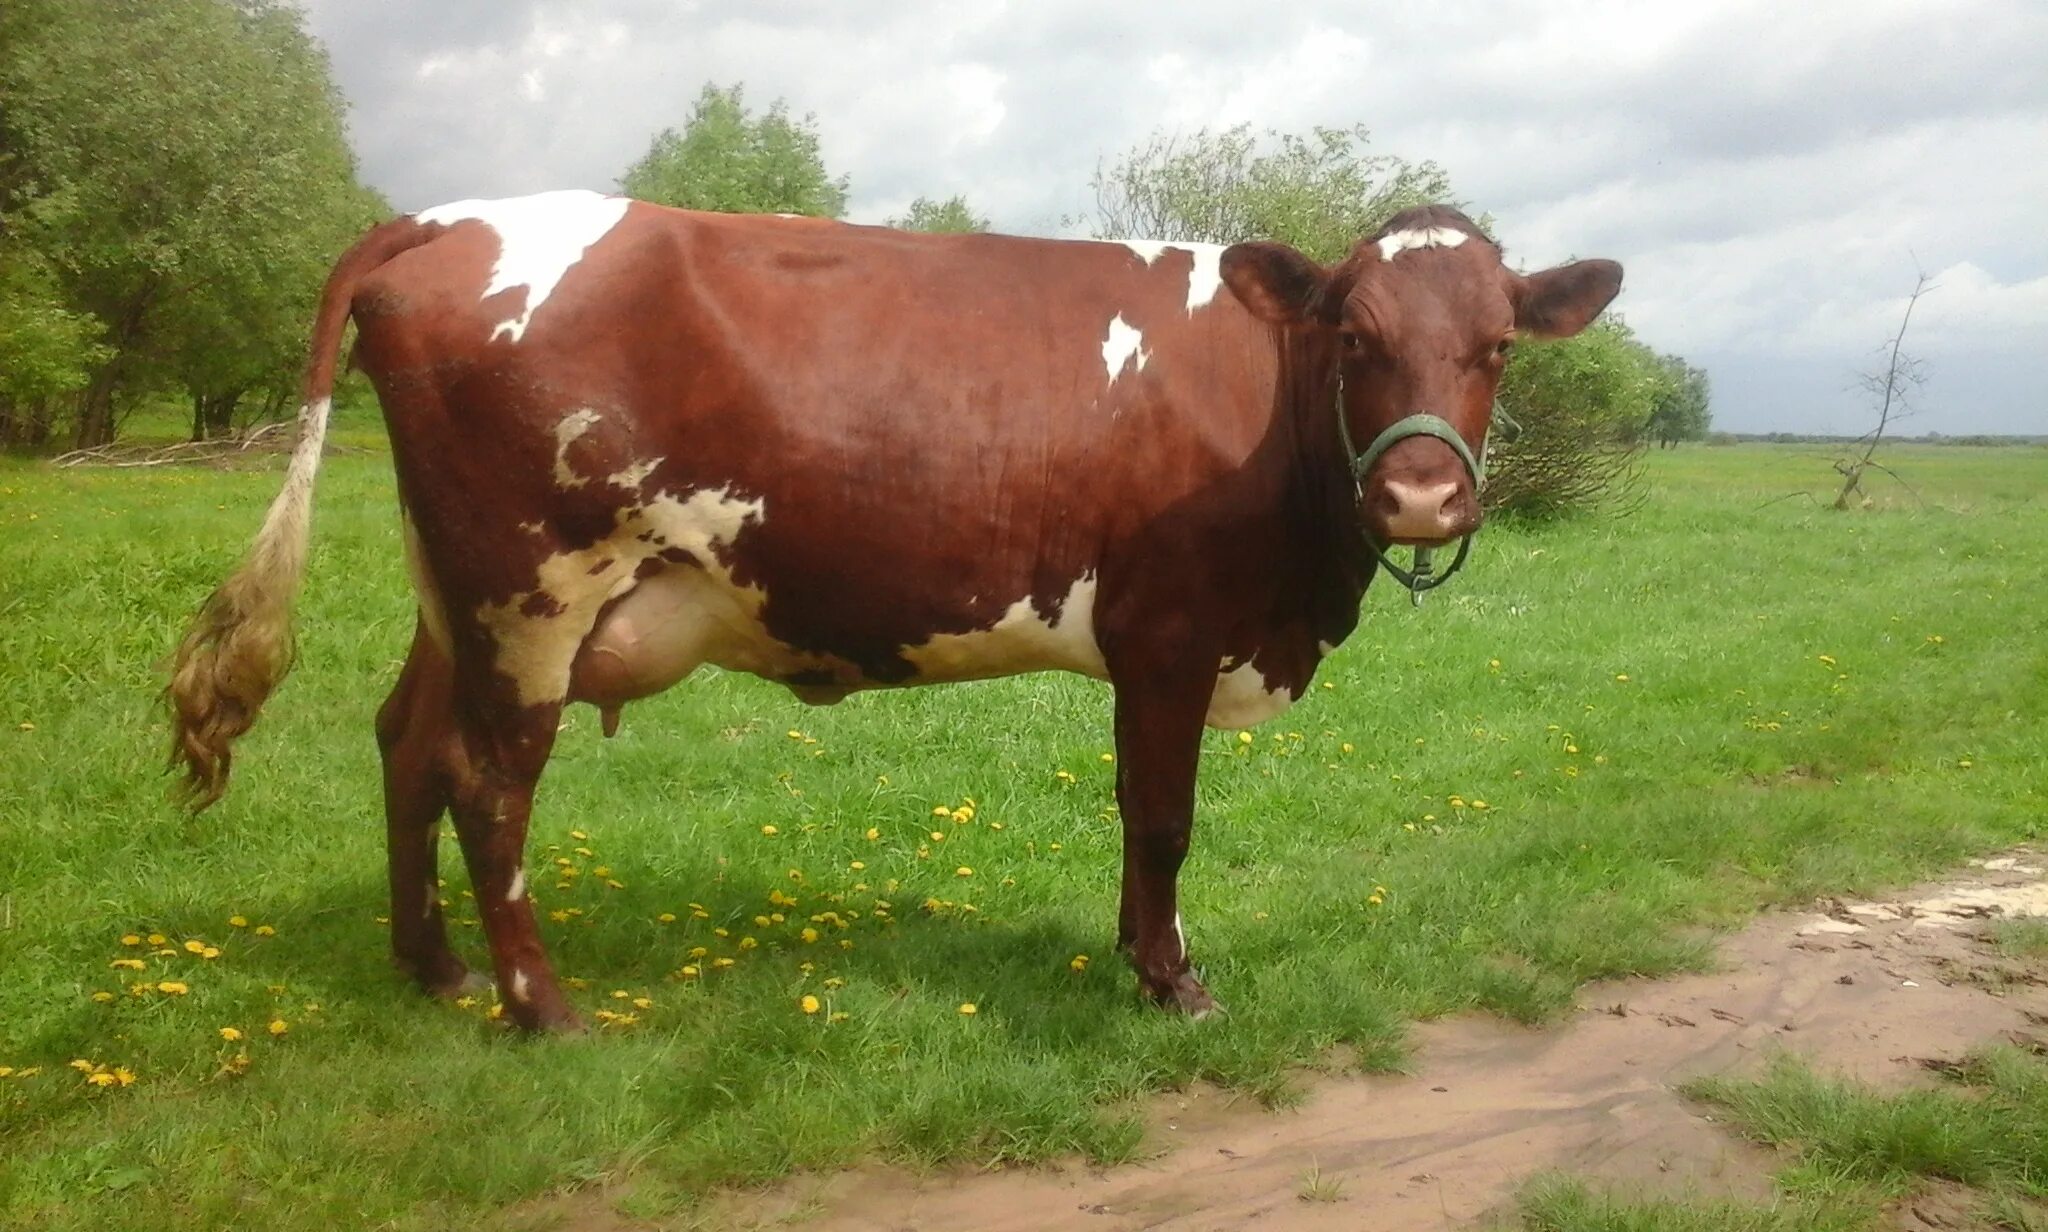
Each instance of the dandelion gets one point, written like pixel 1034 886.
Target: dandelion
pixel 770 831
pixel 969 1009
pixel 963 871
pixel 748 943
pixel 1052 846
pixel 666 917
pixel 601 871
pixel 579 836
pixel 846 943
pixel 1078 963
pixel 938 836
pixel 1109 757
pixel 1346 748
pixel 210 951
pixel 1244 737
pixel 231 1034
pixel 102 997
pixel 698 951
pixel 195 947
pixel 840 1016
pixel 279 1026
pixel 131 939
pixel 874 833
pixel 688 973
pixel 720 963
pixel 1829 660
pixel 1374 899
pixel 811 1005
pixel 810 936
pixel 1571 748
pixel 1258 915
pixel 942 811
pixel 124 1076
pixel 1480 805
pixel 127 964
pixel 236 921
pixel 585 852
pixel 1621 677
pixel 559 916
pixel 644 1003
pixel 857 866
pixel 173 987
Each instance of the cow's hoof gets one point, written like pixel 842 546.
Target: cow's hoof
pixel 1186 995
pixel 446 979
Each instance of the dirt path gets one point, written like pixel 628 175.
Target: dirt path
pixel 1866 988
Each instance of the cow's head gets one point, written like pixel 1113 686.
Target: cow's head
pixel 1421 318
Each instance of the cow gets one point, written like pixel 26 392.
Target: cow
pixel 630 440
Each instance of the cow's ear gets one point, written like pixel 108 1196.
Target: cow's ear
pixel 1277 283
pixel 1558 303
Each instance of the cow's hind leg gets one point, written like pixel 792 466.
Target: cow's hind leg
pixel 415 732
pixel 500 751
pixel 1159 710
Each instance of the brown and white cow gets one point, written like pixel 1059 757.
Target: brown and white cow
pixel 631 440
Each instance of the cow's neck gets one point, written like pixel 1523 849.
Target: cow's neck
pixel 1332 567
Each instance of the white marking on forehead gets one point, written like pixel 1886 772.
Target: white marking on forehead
pixel 1020 640
pixel 518 890
pixel 1119 344
pixel 1242 697
pixel 1205 277
pixel 539 238
pixel 1394 245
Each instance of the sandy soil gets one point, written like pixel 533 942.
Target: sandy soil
pixel 1868 989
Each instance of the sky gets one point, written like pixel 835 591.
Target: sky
pixel 1773 173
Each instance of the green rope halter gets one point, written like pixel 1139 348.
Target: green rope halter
pixel 1420 578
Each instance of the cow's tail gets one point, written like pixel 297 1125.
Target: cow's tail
pixel 238 646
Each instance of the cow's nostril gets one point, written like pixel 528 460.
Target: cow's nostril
pixel 1420 511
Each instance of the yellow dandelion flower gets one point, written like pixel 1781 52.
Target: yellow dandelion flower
pixel 1346 747
pixel 840 1016
pixel 131 939
pixel 579 836
pixel 620 994
pixel 173 987
pixel 559 916
pixel 688 973
pixel 874 833
pixel 770 831
pixel 963 871
pixel 1108 757
pixel 1621 677
pixel 496 1011
pixel 1244 737
pixel 211 951
pixel 124 1075
pixel 667 917
pixel 748 943
pixel 156 938
pixel 969 1008
pixel 698 951
pixel 721 963
pixel 82 1065
pixel 101 1079
pixel 127 964
pixel 811 1005
pixel 1374 899
pixel 810 936
pixel 265 930
pixel 585 852
pixel 1078 963
pixel 602 870
pixel 845 943
pixel 195 947
pixel 231 1034
pixel 279 1026
pixel 721 932
pixel 1052 846
pixel 1481 805
pixel 645 1003
pixel 616 885
pixel 102 997
pixel 236 921
pixel 1258 915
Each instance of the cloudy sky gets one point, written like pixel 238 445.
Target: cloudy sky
pixel 1771 172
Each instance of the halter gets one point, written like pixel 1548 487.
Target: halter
pixel 1420 578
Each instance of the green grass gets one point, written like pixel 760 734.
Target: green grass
pixel 1733 769
pixel 1559 1204
pixel 2024 938
pixel 1989 1130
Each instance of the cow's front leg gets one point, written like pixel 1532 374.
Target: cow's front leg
pixel 501 753
pixel 1158 741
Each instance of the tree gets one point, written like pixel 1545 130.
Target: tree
pixel 1682 411
pixel 1571 416
pixel 182 169
pixel 1891 388
pixel 1322 192
pixel 950 215
pixel 727 159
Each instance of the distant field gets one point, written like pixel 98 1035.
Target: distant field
pixel 1603 739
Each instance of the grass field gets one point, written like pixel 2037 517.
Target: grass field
pixel 1603 740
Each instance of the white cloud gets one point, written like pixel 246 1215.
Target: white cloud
pixel 1769 172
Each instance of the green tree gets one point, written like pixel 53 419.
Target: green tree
pixel 727 159
pixel 182 169
pixel 1322 192
pixel 1683 410
pixel 951 215
pixel 1571 419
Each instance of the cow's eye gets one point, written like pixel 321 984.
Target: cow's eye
pixel 1351 342
pixel 1505 345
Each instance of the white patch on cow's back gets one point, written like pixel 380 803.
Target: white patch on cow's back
pixel 1242 697
pixel 1205 276
pixel 1120 343
pixel 1394 245
pixel 1020 640
pixel 539 238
